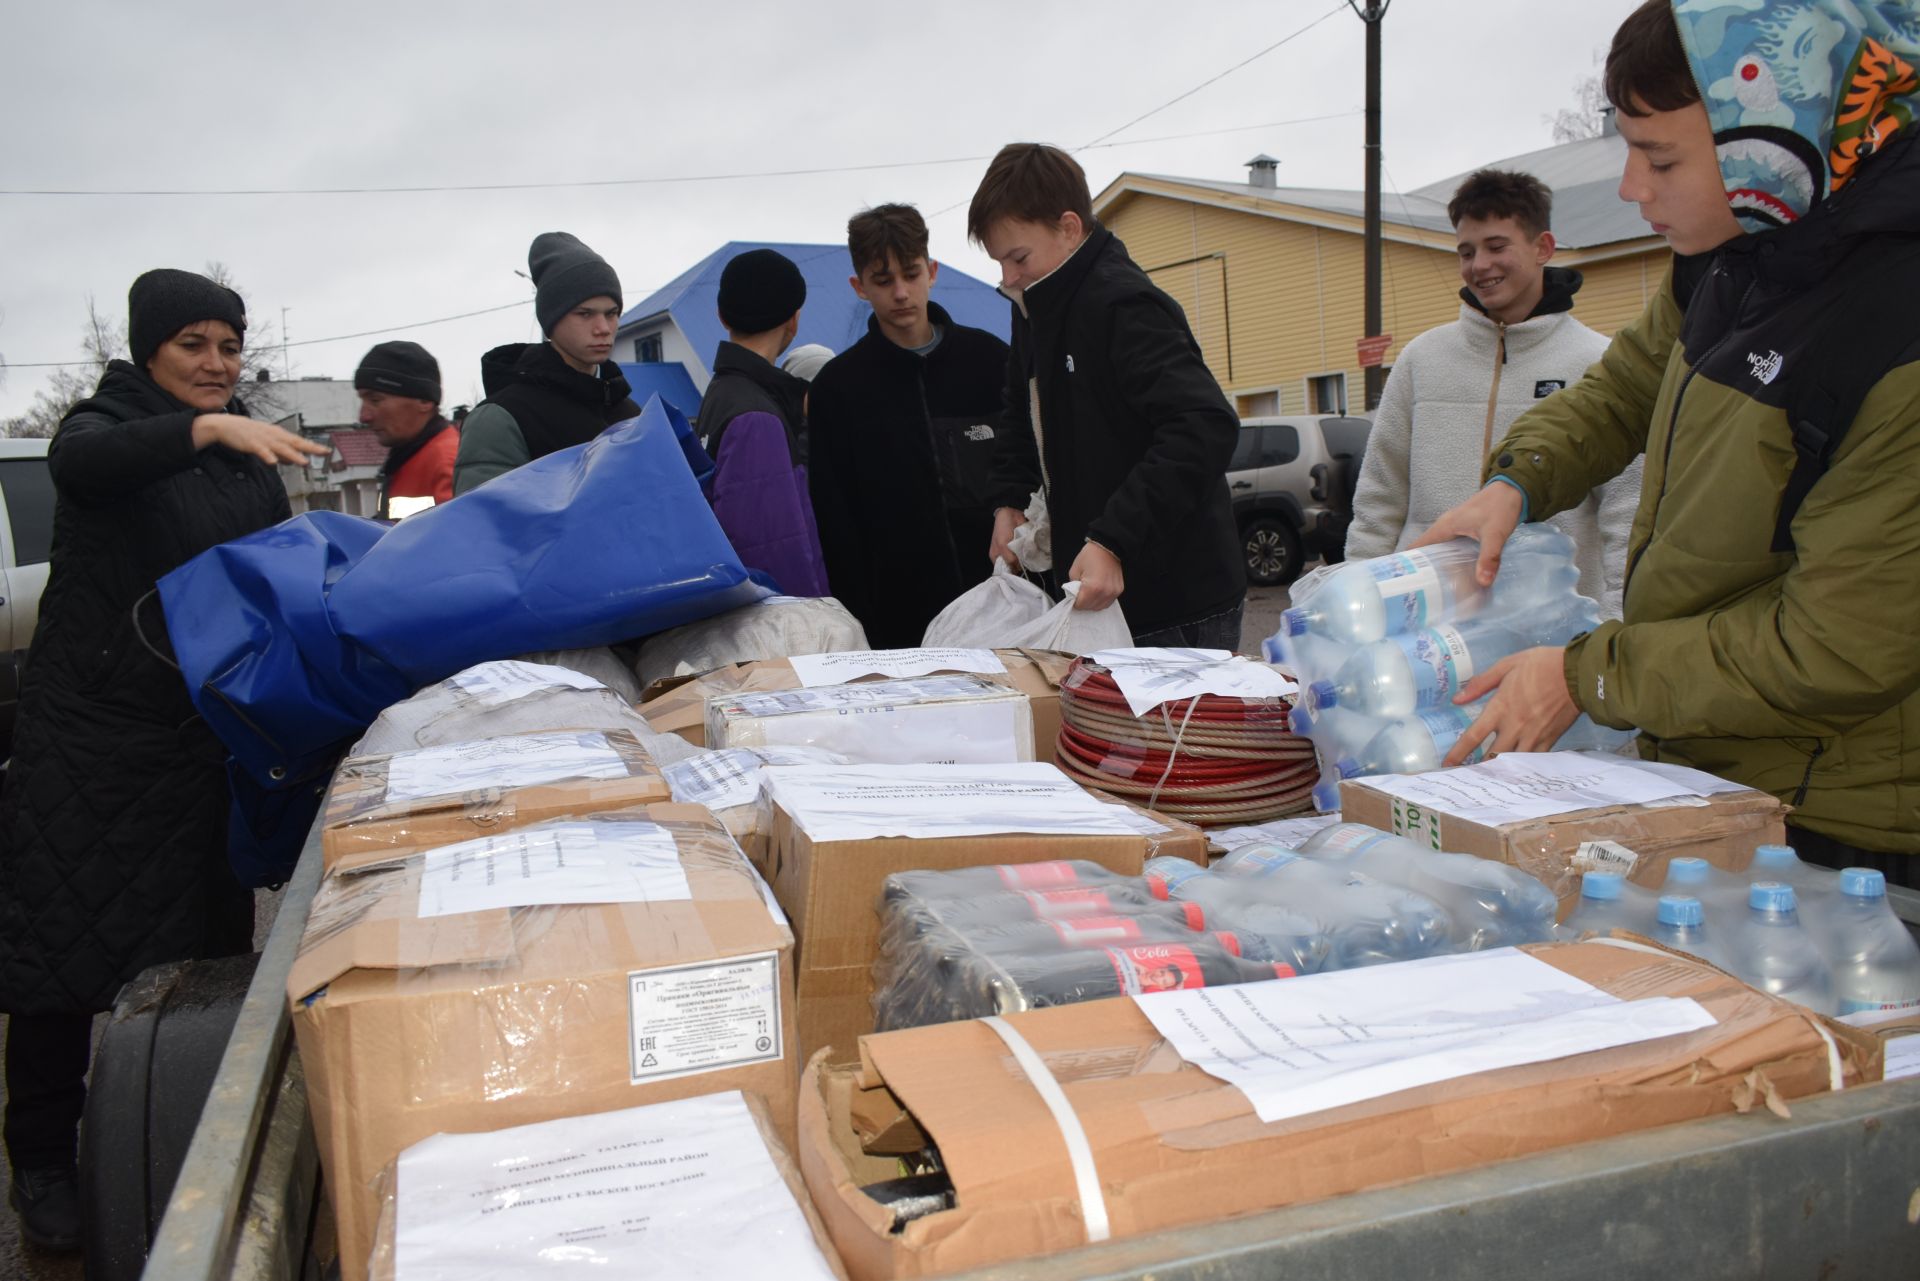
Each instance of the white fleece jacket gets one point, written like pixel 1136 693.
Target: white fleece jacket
pixel 1430 433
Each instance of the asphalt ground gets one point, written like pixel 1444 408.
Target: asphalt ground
pixel 21 1262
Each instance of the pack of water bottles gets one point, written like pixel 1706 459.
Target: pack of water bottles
pixel 1384 646
pixel 1831 943
pixel 994 940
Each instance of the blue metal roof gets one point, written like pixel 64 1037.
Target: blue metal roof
pixel 833 316
pixel 669 379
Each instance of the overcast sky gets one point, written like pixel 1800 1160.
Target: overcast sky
pixel 141 96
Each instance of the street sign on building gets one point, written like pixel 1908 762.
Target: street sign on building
pixel 1373 351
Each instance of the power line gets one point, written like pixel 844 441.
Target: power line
pixel 663 180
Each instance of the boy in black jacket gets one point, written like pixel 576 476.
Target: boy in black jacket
pixel 1111 412
pixel 903 426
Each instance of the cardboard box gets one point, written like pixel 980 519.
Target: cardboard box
pixel 950 719
pixel 368 818
pixel 690 1172
pixel 1173 1146
pixel 679 705
pixel 831 891
pixel 1722 829
pixel 410 1026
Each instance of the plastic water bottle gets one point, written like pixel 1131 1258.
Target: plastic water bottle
pixel 1876 963
pixel 1772 951
pixel 1680 922
pixel 1492 904
pixel 1366 921
pixel 1412 745
pixel 1607 902
pixel 1417 670
pixel 1781 863
pixel 1723 895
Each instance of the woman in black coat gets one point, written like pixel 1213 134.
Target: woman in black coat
pixel 113 819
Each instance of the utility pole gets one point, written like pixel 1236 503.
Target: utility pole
pixel 286 364
pixel 1373 14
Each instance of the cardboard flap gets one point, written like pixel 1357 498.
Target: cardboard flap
pixel 368 919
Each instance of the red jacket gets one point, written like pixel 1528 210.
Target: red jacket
pixel 425 466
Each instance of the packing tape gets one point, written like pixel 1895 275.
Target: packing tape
pixel 1093 1205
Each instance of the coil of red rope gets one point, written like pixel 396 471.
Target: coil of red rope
pixel 1211 760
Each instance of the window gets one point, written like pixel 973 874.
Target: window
pixel 1279 445
pixel 649 350
pixel 1246 450
pixel 1327 394
pixel 29 490
pixel 1258 404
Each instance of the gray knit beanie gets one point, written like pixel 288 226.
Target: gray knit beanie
pixel 565 274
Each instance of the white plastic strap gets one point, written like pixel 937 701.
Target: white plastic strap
pixel 1093 1205
pixel 1836 1072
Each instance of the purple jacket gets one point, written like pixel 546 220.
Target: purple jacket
pixel 760 497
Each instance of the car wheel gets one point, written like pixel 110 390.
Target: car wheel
pixel 1273 553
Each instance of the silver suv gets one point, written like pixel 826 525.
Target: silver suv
pixel 26 542
pixel 1292 482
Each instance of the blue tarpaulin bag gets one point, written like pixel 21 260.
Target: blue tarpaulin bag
pixel 292 640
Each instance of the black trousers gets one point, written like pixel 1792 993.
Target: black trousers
pixel 46 1087
pixel 1827 852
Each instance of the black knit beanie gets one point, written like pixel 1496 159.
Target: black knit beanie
pixel 164 301
pixel 565 274
pixel 402 369
pixel 760 289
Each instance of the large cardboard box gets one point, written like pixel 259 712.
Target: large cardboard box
pixel 831 890
pixel 949 719
pixel 412 1025
pixel 1723 829
pixel 679 706
pixel 1173 1146
pixel 383 805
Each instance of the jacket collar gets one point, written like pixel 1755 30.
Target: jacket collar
pixel 539 364
pixel 935 313
pixel 401 454
pixel 732 358
pixel 125 387
pixel 1047 296
pixel 1559 285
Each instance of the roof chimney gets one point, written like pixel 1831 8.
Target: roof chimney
pixel 1263 171
pixel 1609 123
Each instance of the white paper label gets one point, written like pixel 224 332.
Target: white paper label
pixel 957 733
pixel 1901 1058
pixel 1302 1045
pixel 838 669
pixel 839 698
pixel 492 684
pixel 678 1189
pixel 1522 785
pixel 1288 833
pixel 1605 856
pixel 520 760
pixel 1151 676
pixel 724 779
pixel 864 802
pixel 687 1019
pixel 551 864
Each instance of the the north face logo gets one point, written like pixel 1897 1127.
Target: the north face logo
pixel 1069 364
pixel 1766 368
pixel 979 431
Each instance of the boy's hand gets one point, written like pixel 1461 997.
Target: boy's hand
pixel 1005 521
pixel 1487 518
pixel 1531 710
pixel 1101 579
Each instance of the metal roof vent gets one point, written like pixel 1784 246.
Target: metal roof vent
pixel 1263 171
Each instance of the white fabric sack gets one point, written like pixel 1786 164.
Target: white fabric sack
pixel 777 627
pixel 986 615
pixel 1033 541
pixel 602 664
pixel 1074 631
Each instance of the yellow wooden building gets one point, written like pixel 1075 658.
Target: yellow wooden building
pixel 1272 277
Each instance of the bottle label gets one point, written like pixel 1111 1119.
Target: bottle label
pixel 1410 590
pixel 1156 967
pixel 1441 664
pixel 1096 931
pixel 1229 941
pixel 1853 1006
pixel 1260 862
pixel 1163 884
pixel 1048 904
pixel 1037 876
pixel 1349 838
pixel 1447 723
pixel 1281 970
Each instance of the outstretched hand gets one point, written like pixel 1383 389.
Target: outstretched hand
pixel 1531 706
pixel 1488 518
pixel 268 443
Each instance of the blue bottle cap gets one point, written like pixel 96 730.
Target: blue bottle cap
pixel 1300 720
pixel 1323 694
pixel 1770 896
pixel 1293 622
pixel 1681 909
pixel 1689 871
pixel 1601 885
pixel 1774 856
pixel 1863 882
pixel 1347 767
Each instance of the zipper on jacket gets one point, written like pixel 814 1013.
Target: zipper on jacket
pixel 1806 780
pixel 1673 422
pixel 933 443
pixel 1493 397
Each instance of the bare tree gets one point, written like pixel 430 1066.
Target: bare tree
pixel 102 340
pixel 1587 116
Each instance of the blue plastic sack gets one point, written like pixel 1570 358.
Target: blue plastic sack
pixel 292 640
